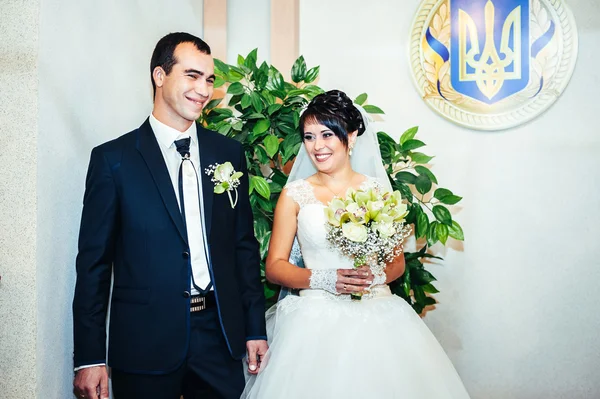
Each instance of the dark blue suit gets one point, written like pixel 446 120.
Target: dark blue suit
pixel 131 220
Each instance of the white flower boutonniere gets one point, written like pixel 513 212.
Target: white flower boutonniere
pixel 226 179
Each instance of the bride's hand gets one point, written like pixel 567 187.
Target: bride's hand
pixel 350 281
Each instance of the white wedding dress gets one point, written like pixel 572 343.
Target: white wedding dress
pixel 327 346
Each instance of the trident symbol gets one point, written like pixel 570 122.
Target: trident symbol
pixel 490 68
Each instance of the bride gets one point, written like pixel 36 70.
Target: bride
pixel 322 343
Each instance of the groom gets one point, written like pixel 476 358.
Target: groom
pixel 186 303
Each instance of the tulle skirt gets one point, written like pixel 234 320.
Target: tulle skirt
pixel 322 346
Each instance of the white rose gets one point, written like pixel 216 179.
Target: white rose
pixel 385 230
pixel 355 232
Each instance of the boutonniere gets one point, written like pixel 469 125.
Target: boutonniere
pixel 226 179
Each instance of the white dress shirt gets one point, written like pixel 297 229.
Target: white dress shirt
pixel 166 137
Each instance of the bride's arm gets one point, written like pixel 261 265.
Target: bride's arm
pixel 278 269
pixel 281 272
pixel 395 269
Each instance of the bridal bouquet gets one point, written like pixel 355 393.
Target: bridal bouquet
pixel 368 226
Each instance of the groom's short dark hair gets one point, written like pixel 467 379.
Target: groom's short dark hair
pixel 163 55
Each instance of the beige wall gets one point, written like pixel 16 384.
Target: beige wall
pixel 18 132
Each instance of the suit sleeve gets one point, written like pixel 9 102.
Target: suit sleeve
pixel 248 261
pixel 94 262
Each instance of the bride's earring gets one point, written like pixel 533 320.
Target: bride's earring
pixel 351 146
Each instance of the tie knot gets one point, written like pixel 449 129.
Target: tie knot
pixel 183 146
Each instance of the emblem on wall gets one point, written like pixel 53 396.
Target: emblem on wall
pixel 492 64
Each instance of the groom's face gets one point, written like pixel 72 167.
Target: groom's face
pixel 183 93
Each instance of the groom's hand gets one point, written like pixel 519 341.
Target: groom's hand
pixel 91 383
pixel 257 349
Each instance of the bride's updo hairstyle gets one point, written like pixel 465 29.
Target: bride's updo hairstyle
pixel 335 110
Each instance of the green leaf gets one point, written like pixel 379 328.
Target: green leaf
pixel 222 111
pixel 404 190
pixel 442 214
pixel 218 82
pixel 250 60
pixel 261 154
pixel 212 103
pixel 255 115
pixel 409 134
pixel 235 88
pixel 297 92
pixel 299 70
pixel 422 224
pixel 240 60
pixel 261 186
pixel 412 145
pixel 430 289
pixel 423 184
pixel 429 301
pixel 261 126
pixel 290 146
pixel 271 144
pixel 372 109
pixel 446 196
pixel 238 125
pixel 406 177
pixel 422 276
pixel 432 237
pixel 312 74
pixel 383 137
pixel 264 204
pixel 246 101
pixel 257 102
pixel 422 170
pixel 441 193
pixel 273 108
pixel 442 233
pixel 224 129
pixel 219 189
pixel 456 232
pixel 419 157
pixel 360 100
pixel 234 100
pixel 275 81
pixel 261 226
pixel 387 151
pixel 419 296
pixel 221 66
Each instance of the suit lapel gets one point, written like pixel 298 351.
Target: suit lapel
pixel 207 158
pixel 148 147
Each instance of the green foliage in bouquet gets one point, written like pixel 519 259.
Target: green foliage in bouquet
pixel 263 113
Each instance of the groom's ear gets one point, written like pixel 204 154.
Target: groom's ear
pixel 158 74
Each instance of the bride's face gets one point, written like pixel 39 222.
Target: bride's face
pixel 325 149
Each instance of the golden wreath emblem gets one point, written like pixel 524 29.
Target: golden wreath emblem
pixel 492 64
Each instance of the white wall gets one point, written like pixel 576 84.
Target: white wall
pixel 248 27
pixel 517 310
pixel 94 83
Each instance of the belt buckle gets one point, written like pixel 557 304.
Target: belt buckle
pixel 197 304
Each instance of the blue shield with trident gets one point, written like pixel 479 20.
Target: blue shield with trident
pixel 489 50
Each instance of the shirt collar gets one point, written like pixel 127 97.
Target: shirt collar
pixel 166 135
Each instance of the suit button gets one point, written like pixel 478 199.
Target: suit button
pixel 186 294
pixel 185 255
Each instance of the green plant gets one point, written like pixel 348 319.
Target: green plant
pixel 263 113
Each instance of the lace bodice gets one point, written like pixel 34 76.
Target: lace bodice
pixel 312 230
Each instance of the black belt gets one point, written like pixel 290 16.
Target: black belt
pixel 201 302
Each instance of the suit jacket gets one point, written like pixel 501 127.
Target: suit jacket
pixel 131 226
